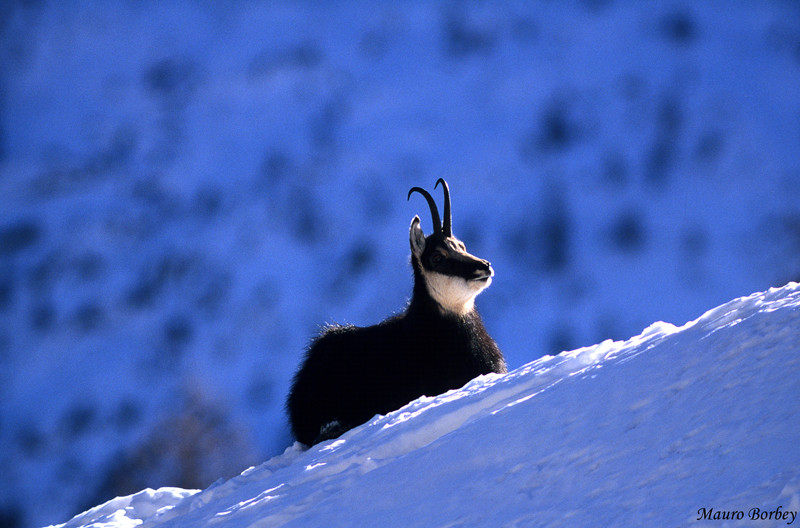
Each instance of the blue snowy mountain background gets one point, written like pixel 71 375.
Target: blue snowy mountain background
pixel 187 191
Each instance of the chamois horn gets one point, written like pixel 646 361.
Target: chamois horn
pixel 448 218
pixel 437 222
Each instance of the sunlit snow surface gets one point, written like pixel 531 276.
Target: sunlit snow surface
pixel 643 432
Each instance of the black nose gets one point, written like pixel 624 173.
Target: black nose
pixel 483 270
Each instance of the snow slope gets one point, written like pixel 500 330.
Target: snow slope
pixel 644 432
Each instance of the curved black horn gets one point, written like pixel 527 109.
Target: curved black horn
pixel 437 222
pixel 448 218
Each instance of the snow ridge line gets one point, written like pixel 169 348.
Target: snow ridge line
pixel 332 466
pixel 123 511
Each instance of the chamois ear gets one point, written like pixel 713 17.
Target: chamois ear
pixel 417 237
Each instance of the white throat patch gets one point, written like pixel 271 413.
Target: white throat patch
pixel 454 294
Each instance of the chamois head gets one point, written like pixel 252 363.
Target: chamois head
pixel 452 276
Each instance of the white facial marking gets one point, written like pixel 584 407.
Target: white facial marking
pixel 454 294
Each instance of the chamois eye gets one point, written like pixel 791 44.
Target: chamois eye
pixel 437 258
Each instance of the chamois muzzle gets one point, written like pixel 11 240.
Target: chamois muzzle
pixel 483 271
pixel 459 264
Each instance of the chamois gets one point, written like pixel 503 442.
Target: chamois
pixel 438 343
